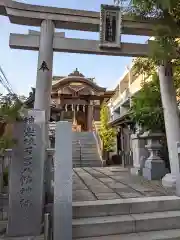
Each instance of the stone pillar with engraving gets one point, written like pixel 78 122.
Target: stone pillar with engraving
pixel 44 70
pixel 26 180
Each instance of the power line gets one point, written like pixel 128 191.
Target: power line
pixel 6 80
pixel 6 84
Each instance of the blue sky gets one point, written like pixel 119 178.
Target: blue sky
pixel 20 66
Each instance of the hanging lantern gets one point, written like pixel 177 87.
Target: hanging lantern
pixel 72 106
pixel 78 108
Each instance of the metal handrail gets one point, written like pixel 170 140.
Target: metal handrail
pixel 47 227
pixel 99 140
pixel 80 152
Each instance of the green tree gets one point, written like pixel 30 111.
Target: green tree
pixel 107 133
pixel 10 107
pixel 164 51
pixel 166 17
pixel 146 108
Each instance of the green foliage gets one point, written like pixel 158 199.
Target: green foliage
pixel 146 109
pixel 166 17
pixel 148 67
pixel 6 142
pixel 10 107
pixel 144 66
pixel 107 133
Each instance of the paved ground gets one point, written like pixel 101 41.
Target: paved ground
pixel 112 183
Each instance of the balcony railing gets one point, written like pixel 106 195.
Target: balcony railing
pixel 119 99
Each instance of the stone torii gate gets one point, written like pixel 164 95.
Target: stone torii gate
pixel 47 41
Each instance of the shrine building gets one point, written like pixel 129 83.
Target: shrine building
pixel 75 98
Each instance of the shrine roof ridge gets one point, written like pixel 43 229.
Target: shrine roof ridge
pixel 78 79
pixel 73 75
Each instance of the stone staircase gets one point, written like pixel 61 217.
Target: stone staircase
pixel 152 218
pixel 84 144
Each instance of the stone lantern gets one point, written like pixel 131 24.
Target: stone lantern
pixel 154 167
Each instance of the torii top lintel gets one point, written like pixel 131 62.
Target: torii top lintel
pixel 32 15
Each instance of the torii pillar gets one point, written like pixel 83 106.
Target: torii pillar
pixel 172 122
pixel 44 71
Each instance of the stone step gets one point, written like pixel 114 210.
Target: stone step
pixel 85 151
pixel 82 136
pixel 3 225
pixel 41 237
pixel 84 139
pixel 125 206
pixel 153 235
pixel 88 145
pixel 134 223
pixel 86 156
pixel 87 165
pixel 96 163
pixel 84 143
pixel 83 132
pixel 88 150
pixel 93 163
pixel 86 161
